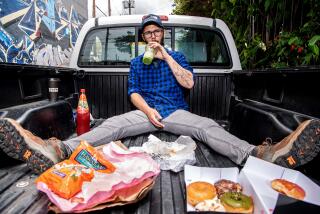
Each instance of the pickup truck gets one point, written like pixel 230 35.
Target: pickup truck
pixel 251 104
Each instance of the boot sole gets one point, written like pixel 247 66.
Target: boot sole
pixel 305 148
pixel 15 146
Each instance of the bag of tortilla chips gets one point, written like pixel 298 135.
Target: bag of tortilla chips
pixel 90 157
pixel 66 178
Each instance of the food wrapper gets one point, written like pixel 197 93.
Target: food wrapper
pixel 170 155
pixel 66 178
pixel 120 198
pixel 90 157
pixel 134 171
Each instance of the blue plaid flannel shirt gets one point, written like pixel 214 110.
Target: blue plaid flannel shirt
pixel 157 84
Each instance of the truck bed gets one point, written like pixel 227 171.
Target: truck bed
pixel 251 105
pixel 18 193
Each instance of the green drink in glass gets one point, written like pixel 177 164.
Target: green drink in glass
pixel 148 55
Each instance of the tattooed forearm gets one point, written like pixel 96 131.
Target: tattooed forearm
pixel 183 76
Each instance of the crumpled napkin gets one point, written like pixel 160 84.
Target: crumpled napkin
pixel 170 155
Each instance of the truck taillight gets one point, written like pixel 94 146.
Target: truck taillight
pixel 162 17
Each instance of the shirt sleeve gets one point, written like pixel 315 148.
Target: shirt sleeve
pixel 133 80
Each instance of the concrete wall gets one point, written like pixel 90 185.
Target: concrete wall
pixel 41 32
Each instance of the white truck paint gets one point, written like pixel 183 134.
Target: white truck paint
pixel 172 20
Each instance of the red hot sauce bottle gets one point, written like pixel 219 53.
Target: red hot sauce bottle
pixel 83 114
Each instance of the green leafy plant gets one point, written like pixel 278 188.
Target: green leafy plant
pixel 270 33
pixel 294 49
pixel 254 52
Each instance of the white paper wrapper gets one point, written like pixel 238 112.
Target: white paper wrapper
pixel 170 155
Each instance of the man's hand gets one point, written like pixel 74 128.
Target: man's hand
pixel 183 76
pixel 155 117
pixel 152 114
pixel 160 52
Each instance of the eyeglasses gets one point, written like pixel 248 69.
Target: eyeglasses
pixel 148 34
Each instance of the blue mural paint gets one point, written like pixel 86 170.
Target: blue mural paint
pixel 12 52
pixel 2 55
pixel 64 14
pixel 11 6
pixel 52 19
pixel 5 39
pixel 38 31
pixel 28 21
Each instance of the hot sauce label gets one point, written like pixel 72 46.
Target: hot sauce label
pixel 83 104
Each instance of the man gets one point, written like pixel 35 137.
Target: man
pixel 157 92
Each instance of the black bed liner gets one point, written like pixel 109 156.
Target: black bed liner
pixel 167 196
pixel 252 105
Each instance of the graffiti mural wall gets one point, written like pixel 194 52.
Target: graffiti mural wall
pixel 41 32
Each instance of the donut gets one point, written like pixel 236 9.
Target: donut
pixel 200 191
pixel 288 188
pixel 222 186
pixel 236 202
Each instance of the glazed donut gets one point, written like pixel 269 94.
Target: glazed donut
pixel 288 188
pixel 200 191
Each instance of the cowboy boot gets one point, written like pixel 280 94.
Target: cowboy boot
pixel 297 149
pixel 21 144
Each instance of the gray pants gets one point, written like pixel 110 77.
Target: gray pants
pixel 180 122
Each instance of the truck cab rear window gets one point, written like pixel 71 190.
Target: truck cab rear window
pixel 201 47
pixel 109 46
pixel 116 46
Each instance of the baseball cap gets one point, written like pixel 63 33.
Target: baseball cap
pixel 151 19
